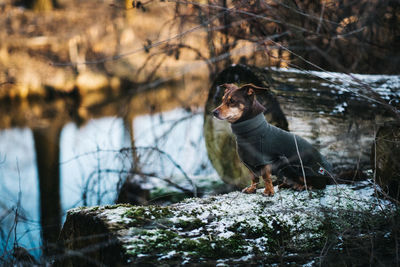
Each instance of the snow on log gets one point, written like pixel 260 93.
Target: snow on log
pixel 235 228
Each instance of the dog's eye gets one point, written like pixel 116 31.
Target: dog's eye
pixel 232 101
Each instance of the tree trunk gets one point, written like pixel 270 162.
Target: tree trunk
pixel 41 5
pixel 47 156
pixel 385 158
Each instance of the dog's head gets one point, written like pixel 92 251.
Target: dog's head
pixel 237 102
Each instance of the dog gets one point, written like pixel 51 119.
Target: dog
pixel 265 149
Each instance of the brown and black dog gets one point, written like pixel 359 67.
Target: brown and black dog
pixel 266 149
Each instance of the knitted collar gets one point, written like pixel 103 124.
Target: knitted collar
pixel 248 125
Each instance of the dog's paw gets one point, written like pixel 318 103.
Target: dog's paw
pixel 269 192
pixel 249 190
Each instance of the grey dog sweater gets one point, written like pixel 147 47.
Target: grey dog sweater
pixel 260 143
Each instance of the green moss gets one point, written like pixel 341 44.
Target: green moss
pixel 276 234
pixel 111 207
pixel 149 241
pixel 215 248
pixel 188 225
pixel 193 213
pixel 162 241
pixel 94 208
pixel 146 215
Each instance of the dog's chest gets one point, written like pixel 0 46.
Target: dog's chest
pixel 253 150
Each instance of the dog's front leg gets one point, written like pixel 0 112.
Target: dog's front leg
pixel 266 175
pixel 253 187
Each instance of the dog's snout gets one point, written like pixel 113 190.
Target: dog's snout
pixel 216 113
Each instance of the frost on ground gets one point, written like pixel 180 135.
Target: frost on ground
pixel 236 227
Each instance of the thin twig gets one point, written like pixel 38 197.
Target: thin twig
pixel 301 161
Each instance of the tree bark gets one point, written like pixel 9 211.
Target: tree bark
pixel 385 158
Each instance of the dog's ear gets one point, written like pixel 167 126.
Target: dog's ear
pixel 252 89
pixel 228 86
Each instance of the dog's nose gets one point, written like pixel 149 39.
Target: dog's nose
pixel 216 113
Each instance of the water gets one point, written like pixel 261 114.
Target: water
pixel 19 184
pixel 91 163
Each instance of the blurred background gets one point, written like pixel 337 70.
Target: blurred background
pixel 102 101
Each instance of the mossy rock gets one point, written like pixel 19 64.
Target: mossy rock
pixel 235 228
pixel 386 160
pixel 220 142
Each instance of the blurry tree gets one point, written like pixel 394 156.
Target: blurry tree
pixel 347 36
pixel 40 5
pixel 128 4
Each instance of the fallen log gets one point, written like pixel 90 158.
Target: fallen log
pixel 333 111
pixel 297 228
